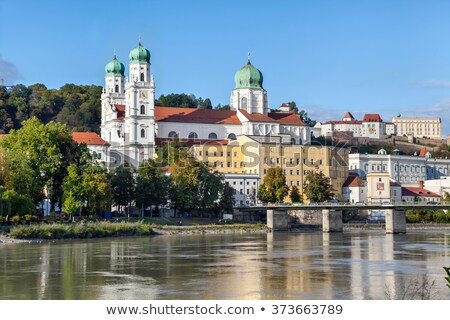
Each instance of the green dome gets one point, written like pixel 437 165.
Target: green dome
pixel 115 68
pixel 248 77
pixel 139 55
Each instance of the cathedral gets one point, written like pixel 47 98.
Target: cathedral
pixel 133 126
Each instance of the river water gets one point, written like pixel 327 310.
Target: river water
pixel 308 265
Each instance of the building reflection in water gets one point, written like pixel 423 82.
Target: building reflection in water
pixel 311 265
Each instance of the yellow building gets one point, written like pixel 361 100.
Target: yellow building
pixel 256 154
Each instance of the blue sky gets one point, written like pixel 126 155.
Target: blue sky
pixel 329 56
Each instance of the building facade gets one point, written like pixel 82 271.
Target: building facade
pixel 131 122
pixel 419 127
pixel 408 170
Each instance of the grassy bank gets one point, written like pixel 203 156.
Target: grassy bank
pixel 109 229
pixel 80 230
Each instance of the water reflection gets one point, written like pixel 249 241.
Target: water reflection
pixel 350 265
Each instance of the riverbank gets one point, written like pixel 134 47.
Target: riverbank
pixel 46 232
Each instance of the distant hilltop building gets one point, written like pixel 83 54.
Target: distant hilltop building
pixel 418 127
pixel 371 126
pixel 133 126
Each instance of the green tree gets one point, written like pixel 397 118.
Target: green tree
pixel 37 156
pixel 226 198
pixel 18 204
pixel 152 185
pixel 123 186
pixel 295 195
pixel 206 104
pixel 185 181
pixel 209 188
pixel 177 100
pixel 317 187
pixel 274 188
pixel 171 152
pixel 304 116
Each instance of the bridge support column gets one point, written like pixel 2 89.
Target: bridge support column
pixel 331 220
pixel 278 220
pixel 395 221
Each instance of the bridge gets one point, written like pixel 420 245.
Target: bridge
pixel 278 218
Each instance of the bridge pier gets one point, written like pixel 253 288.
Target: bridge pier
pixel 278 220
pixel 332 220
pixel 395 221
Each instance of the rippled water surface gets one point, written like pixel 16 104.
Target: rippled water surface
pixel 349 265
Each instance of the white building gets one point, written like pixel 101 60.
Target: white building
pixel 408 170
pixel 354 189
pixel 131 123
pixel 245 186
pixel 371 126
pixel 438 186
pixel 419 127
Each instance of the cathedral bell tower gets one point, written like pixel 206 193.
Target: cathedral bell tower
pixel 140 108
pixel 249 93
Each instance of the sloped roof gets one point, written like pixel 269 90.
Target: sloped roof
pixel 418 192
pixel 287 118
pixel 90 138
pixel 353 181
pixel 423 152
pixel 120 111
pixel 394 183
pixel 348 115
pixel 190 115
pixel 372 117
pixel 256 117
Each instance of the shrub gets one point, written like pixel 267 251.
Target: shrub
pixel 80 230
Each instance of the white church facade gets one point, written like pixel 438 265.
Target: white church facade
pixel 133 126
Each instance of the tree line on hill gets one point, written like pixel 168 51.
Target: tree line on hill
pixel 76 106
pixel 40 161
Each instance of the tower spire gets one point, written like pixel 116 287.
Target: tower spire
pixel 248 56
pixel 139 39
pixel 114 53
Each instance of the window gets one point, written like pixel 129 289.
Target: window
pixel 142 76
pixel 312 161
pixel 199 153
pixel 321 162
pixel 193 135
pixel 173 134
pixel 206 153
pixel 117 88
pixel 99 155
pixel 292 141
pixel 244 103
pixel 228 153
pixel 142 133
pixel 212 136
pixel 231 136
pixel 142 109
pixel 221 153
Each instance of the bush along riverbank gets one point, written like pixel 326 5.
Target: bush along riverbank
pixel 80 230
pixel 111 229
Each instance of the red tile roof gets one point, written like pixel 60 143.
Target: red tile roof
pixel 372 117
pixel 287 118
pixel 191 142
pixel 190 115
pixel 344 122
pixel 256 117
pixel 353 181
pixel 423 152
pixel 90 138
pixel 120 111
pixel 348 115
pixel 418 192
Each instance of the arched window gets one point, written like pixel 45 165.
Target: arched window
pixel 244 103
pixel 142 109
pixel 173 134
pixel 292 141
pixel 212 136
pixel 142 76
pixel 142 133
pixel 117 88
pixel 232 136
pixel 193 135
